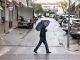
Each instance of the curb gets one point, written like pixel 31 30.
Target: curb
pixel 10 30
pixel 2 40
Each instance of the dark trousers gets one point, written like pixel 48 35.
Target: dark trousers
pixel 40 42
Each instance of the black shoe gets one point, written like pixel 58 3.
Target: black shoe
pixel 35 51
pixel 48 52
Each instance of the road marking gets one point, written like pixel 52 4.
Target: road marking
pixel 4 50
pixel 26 33
pixel 41 56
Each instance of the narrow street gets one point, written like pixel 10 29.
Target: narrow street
pixel 25 37
pixel 20 44
pixel 25 24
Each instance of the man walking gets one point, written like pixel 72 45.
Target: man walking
pixel 42 39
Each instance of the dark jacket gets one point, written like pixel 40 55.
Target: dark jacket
pixel 43 32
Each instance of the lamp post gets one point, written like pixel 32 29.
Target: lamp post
pixel 68 38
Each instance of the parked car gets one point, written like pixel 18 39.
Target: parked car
pixel 25 17
pixel 71 16
pixel 61 18
pixel 24 23
pixel 65 25
pixel 56 17
pixel 52 15
pixel 75 29
pixel 35 19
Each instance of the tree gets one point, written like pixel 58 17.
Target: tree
pixel 37 8
pixel 63 5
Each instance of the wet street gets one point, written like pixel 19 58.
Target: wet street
pixel 24 24
pixel 20 43
pixel 28 37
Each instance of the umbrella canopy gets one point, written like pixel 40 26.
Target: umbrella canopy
pixel 41 23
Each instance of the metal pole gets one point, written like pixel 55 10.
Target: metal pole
pixel 5 17
pixel 68 26
pixel 17 12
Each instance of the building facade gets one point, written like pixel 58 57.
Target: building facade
pixel 77 8
pixel 9 13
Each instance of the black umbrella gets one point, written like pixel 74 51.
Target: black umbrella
pixel 41 23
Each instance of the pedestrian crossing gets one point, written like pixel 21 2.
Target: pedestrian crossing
pixel 40 57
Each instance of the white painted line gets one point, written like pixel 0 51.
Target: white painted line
pixel 4 50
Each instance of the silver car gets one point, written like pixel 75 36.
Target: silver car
pixel 65 24
pixel 61 18
pixel 75 29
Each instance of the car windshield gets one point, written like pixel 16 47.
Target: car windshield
pixel 61 17
pixel 76 21
pixel 71 16
pixel 68 16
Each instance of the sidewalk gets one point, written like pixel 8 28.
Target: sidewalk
pixel 4 28
pixel 1 28
pixel 23 50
